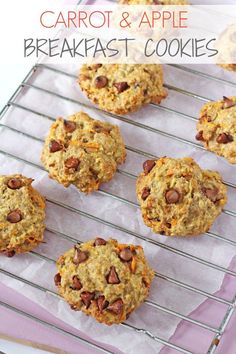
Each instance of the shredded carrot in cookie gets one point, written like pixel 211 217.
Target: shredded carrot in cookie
pixel 173 222
pixel 131 247
pixel 133 265
pixel 169 173
pixel 160 162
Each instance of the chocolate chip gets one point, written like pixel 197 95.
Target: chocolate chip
pixel 212 194
pixel 155 219
pixel 101 81
pixel 94 174
pixel 172 196
pixel 10 254
pixel 87 297
pixel 76 283
pixel 69 126
pixel 116 307
pixel 72 162
pixel 112 277
pixel 14 216
pixel 102 303
pixel 79 256
pixel 126 254
pixel 156 2
pixel 145 193
pixel 98 128
pixel 96 66
pixel 99 242
pixel 228 103
pixel 14 183
pixel 101 129
pixel 74 308
pixel 199 136
pixel 121 86
pixel 55 146
pixel 224 138
pixel 148 166
pixel 204 118
pixel 57 279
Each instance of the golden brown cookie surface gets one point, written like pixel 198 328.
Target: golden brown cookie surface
pixel 22 214
pixel 104 279
pixel 122 88
pixel 83 151
pixel 217 127
pixel 226 45
pixel 230 67
pixel 177 198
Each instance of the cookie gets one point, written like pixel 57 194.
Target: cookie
pixel 22 214
pixel 154 2
pixel 178 198
pixel 104 279
pixel 122 88
pixel 226 45
pixel 83 151
pixel 217 127
pixel 230 67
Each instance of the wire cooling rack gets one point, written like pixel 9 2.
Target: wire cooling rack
pixel 229 304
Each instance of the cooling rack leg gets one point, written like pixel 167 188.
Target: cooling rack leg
pixel 215 342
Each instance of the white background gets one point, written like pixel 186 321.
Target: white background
pixel 16 19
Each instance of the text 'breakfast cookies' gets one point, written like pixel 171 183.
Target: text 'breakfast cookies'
pixel 83 151
pixel 122 88
pixel 217 127
pixel 104 279
pixel 22 215
pixel 178 198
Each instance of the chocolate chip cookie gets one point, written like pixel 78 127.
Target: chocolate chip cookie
pixel 230 67
pixel 217 127
pixel 104 279
pixel 83 151
pixel 226 46
pixel 178 198
pixel 154 2
pixel 22 214
pixel 122 88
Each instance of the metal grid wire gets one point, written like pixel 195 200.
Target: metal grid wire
pixel 230 305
